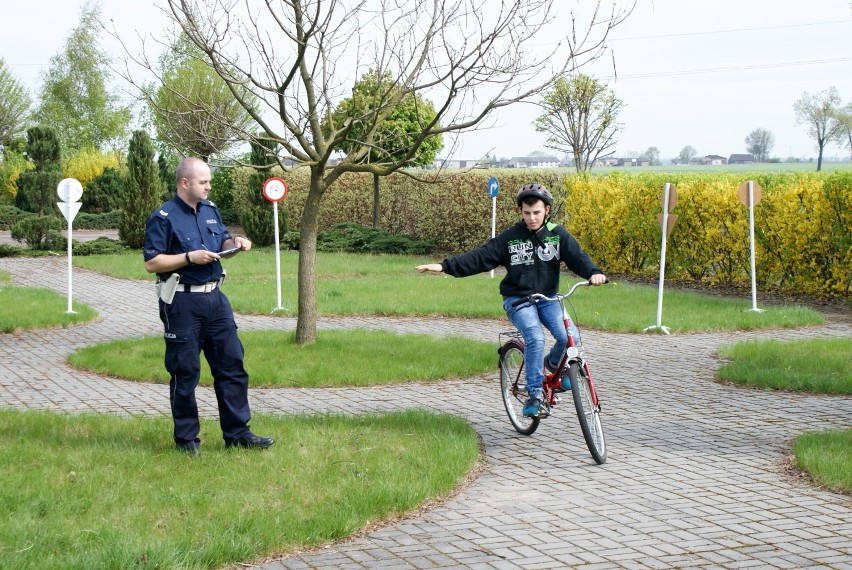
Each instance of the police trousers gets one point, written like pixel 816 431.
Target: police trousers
pixel 204 322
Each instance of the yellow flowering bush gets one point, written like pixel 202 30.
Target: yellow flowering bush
pixel 10 168
pixel 802 228
pixel 88 164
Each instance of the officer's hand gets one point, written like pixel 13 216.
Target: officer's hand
pixel 202 257
pixel 243 243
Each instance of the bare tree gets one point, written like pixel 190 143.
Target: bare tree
pixel 759 143
pixel 298 58
pixel 687 153
pixel 652 155
pixel 844 137
pixel 580 115
pixel 819 114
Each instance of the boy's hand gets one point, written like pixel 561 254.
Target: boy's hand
pixel 433 267
pixel 597 279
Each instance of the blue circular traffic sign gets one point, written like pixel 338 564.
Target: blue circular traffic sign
pixel 493 187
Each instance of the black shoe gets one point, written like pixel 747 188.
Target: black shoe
pixel 189 447
pixel 551 368
pixel 251 441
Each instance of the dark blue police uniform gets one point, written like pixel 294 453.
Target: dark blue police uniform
pixel 199 318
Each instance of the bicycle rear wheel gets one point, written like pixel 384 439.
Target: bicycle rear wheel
pixel 587 413
pixel 513 385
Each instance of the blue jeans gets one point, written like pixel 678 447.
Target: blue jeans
pixel 528 319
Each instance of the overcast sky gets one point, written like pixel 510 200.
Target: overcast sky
pixel 701 73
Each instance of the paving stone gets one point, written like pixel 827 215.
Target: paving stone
pixel 695 476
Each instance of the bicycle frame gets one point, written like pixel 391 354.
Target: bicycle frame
pixel 552 380
pixel 573 352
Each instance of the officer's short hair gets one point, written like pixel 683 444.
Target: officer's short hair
pixel 185 169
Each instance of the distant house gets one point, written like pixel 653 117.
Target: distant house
pixel 608 161
pixel 710 159
pixel 631 162
pixel 614 161
pixel 455 163
pixel 741 159
pixel 534 162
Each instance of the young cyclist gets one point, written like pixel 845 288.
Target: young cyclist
pixel 531 251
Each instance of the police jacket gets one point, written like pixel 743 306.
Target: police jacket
pixel 176 228
pixel 531 259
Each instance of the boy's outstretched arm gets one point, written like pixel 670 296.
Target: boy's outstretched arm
pixel 433 267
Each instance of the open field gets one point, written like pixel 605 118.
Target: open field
pixel 763 167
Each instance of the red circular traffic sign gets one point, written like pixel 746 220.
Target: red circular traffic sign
pixel 274 189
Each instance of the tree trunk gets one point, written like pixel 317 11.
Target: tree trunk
pixel 306 323
pixel 375 201
pixel 821 145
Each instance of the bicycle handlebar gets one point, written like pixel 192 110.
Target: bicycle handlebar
pixel 536 297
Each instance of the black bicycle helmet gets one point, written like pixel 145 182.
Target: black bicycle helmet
pixel 536 190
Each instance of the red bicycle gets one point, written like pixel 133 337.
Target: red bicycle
pixel 573 364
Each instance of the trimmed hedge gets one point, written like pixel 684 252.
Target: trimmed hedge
pixel 802 228
pixel 802 224
pixel 454 211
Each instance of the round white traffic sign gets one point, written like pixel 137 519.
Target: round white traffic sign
pixel 69 190
pixel 274 189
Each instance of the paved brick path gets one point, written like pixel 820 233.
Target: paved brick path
pixel 695 476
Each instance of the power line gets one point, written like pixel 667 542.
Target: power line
pixel 731 30
pixel 731 68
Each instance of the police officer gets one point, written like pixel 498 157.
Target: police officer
pixel 184 237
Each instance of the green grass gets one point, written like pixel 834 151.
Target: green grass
pixel 388 285
pixel 827 457
pixel 337 359
pixel 260 264
pixel 81 492
pixel 813 365
pixel 616 307
pixel 26 308
pixel 631 308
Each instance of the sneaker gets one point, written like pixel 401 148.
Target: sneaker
pixel 566 383
pixel 533 408
pixel 551 368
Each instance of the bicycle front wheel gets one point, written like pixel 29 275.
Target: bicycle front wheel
pixel 513 384
pixel 588 413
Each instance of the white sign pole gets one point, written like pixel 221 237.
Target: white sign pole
pixel 70 308
pixel 493 190
pixel 277 253
pixel 274 189
pixel 69 190
pixel 665 224
pixel 751 241
pixel 663 257
pixel 493 222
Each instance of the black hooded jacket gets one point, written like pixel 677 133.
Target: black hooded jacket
pixel 531 260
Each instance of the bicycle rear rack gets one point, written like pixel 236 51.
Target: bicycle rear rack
pixel 505 336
